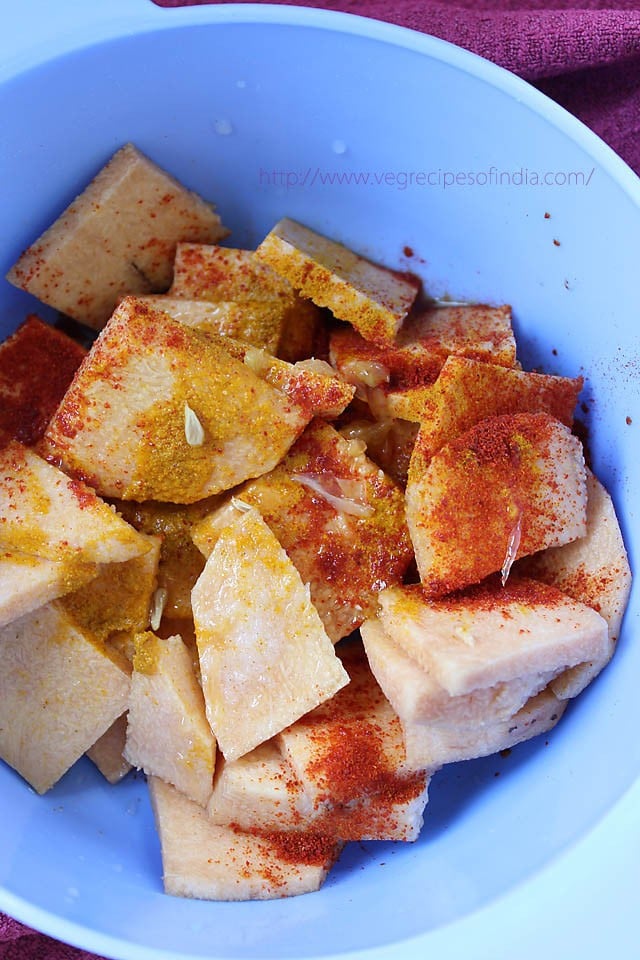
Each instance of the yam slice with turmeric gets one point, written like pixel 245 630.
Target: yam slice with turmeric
pixel 374 299
pixel 117 237
pixel 506 488
pixel 158 411
pixel 208 862
pixel 60 691
pixel 45 513
pixel 28 582
pixel 119 598
pixel 265 658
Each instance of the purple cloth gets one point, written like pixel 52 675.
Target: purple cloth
pixel 585 55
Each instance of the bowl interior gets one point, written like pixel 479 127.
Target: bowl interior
pixel 424 158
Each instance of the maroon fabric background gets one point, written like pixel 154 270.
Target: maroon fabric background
pixel 584 54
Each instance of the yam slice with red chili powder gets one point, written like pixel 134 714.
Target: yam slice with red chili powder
pixel 210 862
pixel 37 364
pixel 508 487
pixel 468 391
pixel 117 237
pixel 349 755
pixel 394 378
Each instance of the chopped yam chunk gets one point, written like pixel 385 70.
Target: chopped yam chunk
pixel 209 862
pixel 37 364
pixel 28 582
pixel 259 323
pixel 60 691
pixel 492 634
pixel 417 697
pixel 594 570
pixel 414 360
pixel 349 756
pixel 107 752
pixel 265 658
pixel 259 791
pixel 119 236
pixel 262 300
pixel 468 391
pixel 508 487
pixel 167 732
pixel 433 743
pixel 43 512
pixel 340 519
pixel 128 420
pixel 374 299
pixel 219 274
pixel 119 598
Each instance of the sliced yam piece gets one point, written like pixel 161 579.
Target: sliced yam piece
pixel 210 862
pixel 28 582
pixel 340 519
pixel 508 487
pixel 372 298
pixel 490 634
pixel 168 734
pixel 220 274
pixel 312 384
pixel 433 743
pixel 119 597
pixel 259 791
pixel 107 753
pixel 45 513
pixel 223 274
pixel 60 690
pixel 158 411
pixel 119 236
pixel 417 697
pixel 181 563
pixel 265 658
pixel 37 364
pixel 594 570
pixel 349 756
pixel 468 391
pixel 257 322
pixel 414 360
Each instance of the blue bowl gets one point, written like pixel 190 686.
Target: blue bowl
pixel 421 156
